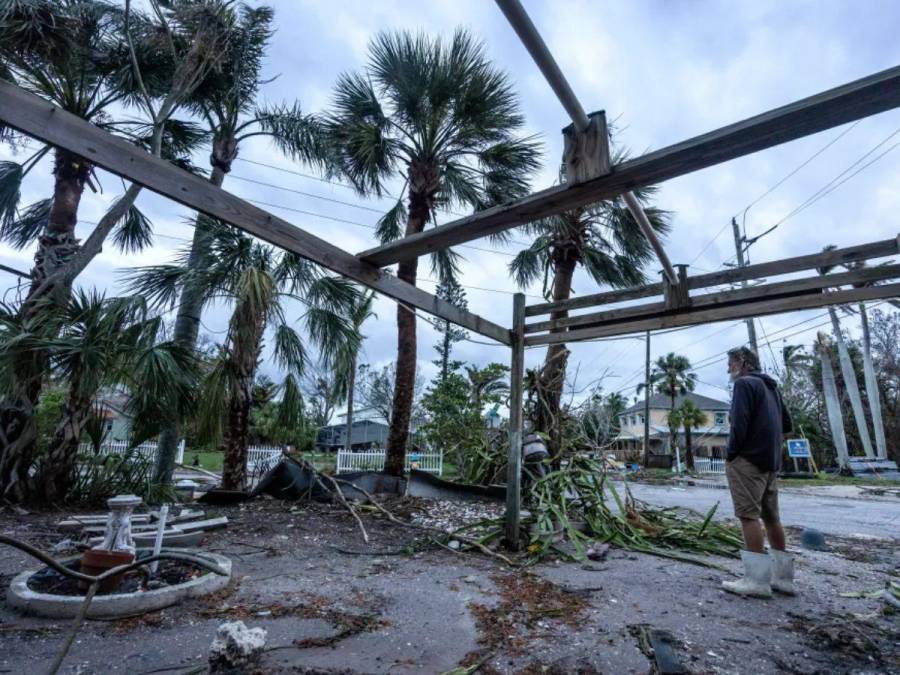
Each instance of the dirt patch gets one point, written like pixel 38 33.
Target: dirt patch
pixel 855 639
pixel 346 624
pixel 527 603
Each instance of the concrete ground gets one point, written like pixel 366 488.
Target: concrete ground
pixel 332 604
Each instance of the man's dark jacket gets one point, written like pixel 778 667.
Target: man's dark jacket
pixel 759 421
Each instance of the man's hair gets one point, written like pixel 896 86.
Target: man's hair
pixel 746 357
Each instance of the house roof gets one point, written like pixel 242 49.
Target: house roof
pixel 660 401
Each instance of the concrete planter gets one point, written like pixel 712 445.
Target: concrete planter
pixel 53 606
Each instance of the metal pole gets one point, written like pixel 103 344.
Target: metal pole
pixel 739 251
pixel 537 48
pixel 514 456
pixel 647 403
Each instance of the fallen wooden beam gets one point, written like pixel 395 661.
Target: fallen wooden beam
pixel 721 313
pixel 771 291
pixel 855 100
pixel 838 256
pixel 40 119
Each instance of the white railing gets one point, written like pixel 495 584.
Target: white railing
pixel 373 460
pixel 257 455
pixel 262 455
pixel 709 465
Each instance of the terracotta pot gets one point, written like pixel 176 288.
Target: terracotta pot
pixel 96 561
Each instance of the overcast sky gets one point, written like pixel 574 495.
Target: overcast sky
pixel 665 71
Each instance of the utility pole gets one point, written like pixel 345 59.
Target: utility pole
pixel 647 402
pixel 741 262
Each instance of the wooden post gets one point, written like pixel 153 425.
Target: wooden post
pixel 741 262
pixel 514 458
pixel 647 403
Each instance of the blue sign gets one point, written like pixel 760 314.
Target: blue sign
pixel 798 447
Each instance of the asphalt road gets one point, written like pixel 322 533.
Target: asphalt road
pixel 834 515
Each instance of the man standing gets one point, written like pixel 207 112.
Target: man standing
pixel 758 424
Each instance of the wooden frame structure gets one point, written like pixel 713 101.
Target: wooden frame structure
pixel 40 119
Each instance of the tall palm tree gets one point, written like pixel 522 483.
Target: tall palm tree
pixel 90 58
pixel 256 281
pixel 226 102
pixel 440 117
pixel 689 417
pixel 605 241
pixel 671 375
pixel 359 314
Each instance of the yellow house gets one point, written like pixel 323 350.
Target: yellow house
pixel 707 440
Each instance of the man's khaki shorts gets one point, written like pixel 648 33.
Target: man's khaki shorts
pixel 753 491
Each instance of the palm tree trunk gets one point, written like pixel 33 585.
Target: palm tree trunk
pixel 185 333
pixel 833 408
pixel 405 380
pixel 18 430
pixel 688 449
pixel 58 467
pixel 852 385
pixel 351 384
pixel 553 373
pixel 246 345
pixel 872 390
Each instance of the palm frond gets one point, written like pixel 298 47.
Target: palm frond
pixel 330 333
pixel 11 174
pixel 296 134
pixel 445 264
pixel 28 226
pixel 392 224
pixel 134 232
pixel 530 264
pixel 290 353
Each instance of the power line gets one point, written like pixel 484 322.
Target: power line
pixel 765 194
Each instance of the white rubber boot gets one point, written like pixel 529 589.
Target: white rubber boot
pixel 757 579
pixel 783 572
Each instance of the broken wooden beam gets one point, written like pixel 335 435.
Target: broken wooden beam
pixel 722 312
pixel 838 256
pixel 43 120
pixel 846 103
pixel 776 290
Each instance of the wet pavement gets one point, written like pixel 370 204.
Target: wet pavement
pixel 874 516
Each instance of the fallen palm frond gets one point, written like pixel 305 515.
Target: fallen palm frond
pixel 579 504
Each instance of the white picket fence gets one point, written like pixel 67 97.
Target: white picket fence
pixel 373 460
pixel 263 456
pixel 709 465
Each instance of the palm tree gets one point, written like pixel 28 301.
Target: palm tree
pixel 256 282
pixel 90 58
pixel 226 101
pixel 442 118
pixel 688 416
pixel 671 375
pixel 359 314
pixel 604 240
pixel 98 343
pixel 487 385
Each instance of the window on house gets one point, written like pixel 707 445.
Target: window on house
pixel 640 419
pixel 720 418
pixel 633 420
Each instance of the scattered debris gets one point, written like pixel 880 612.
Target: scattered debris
pixel 598 551
pixel 235 647
pixel 890 594
pixel 667 662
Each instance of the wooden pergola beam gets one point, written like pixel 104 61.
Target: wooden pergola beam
pixel 847 103
pixel 40 119
pixel 724 312
pixel 771 291
pixel 838 256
